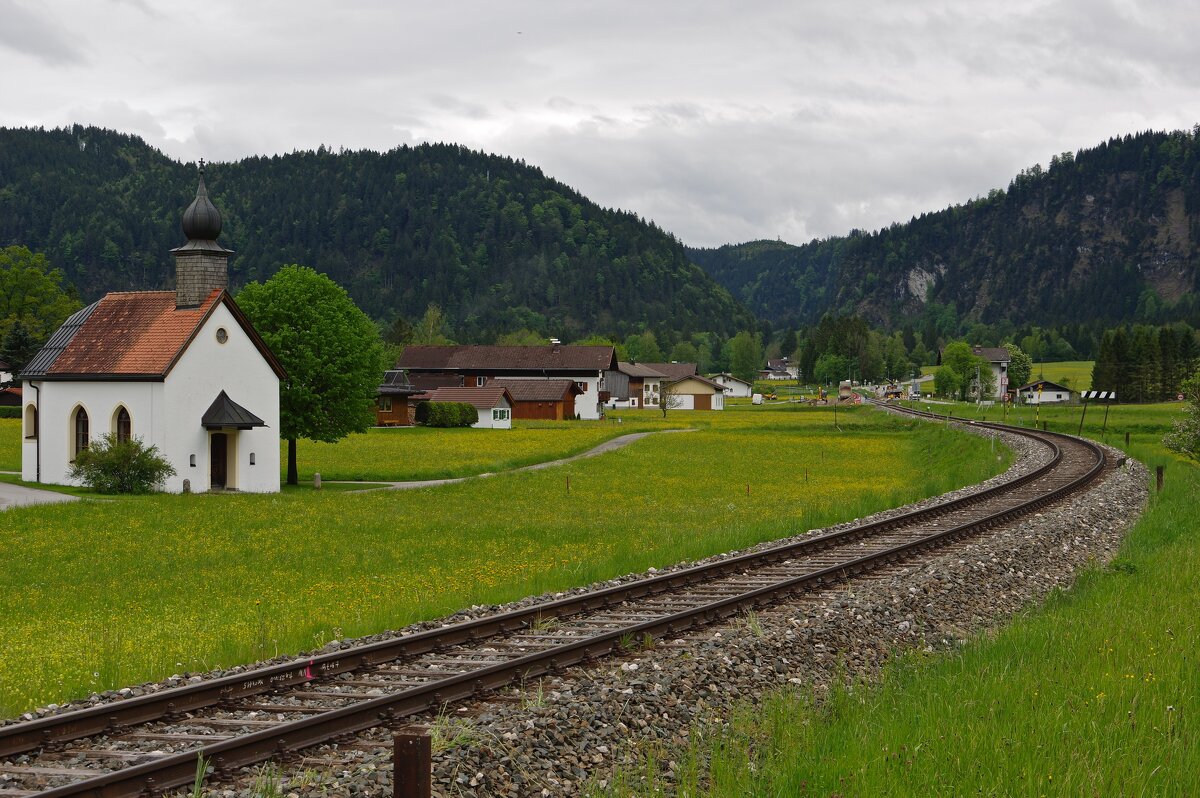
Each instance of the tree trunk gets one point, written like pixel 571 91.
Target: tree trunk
pixel 293 477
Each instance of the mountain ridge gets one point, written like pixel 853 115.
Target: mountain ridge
pixel 1109 233
pixel 493 241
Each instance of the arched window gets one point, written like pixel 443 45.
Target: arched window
pixel 123 425
pixel 81 432
pixel 31 430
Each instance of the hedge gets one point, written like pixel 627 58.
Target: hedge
pixel 446 414
pixel 10 412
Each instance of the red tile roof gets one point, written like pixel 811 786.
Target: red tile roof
pixel 538 390
pixel 141 334
pixel 673 371
pixel 484 398
pixel 507 358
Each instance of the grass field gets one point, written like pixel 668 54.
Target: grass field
pixel 412 453
pixel 10 444
pixel 97 595
pixel 1094 694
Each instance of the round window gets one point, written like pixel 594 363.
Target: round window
pixel 222 336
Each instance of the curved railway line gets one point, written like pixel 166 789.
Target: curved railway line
pixel 151 743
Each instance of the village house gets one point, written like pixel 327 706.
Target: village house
pixel 392 407
pixel 1043 392
pixel 474 366
pixel 181 370
pixel 632 385
pixel 780 369
pixel 732 386
pixel 998 358
pixel 493 403
pixel 548 400
pixel 693 392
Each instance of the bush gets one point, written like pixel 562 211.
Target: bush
pixel 128 466
pixel 446 414
pixel 10 412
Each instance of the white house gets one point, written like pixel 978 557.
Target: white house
pixel 182 370
pixel 1043 392
pixel 493 402
pixel 733 386
pixel 998 358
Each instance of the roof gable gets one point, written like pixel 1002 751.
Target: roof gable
pixel 538 390
pixel 484 398
pixel 133 335
pixel 508 358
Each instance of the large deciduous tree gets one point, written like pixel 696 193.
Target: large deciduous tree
pixel 34 300
pixel 330 349
pixel 745 356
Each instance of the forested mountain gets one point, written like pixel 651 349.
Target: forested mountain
pixel 1106 235
pixel 493 241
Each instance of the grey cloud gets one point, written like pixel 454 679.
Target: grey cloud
pixel 29 33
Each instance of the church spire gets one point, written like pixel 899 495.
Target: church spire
pixel 201 265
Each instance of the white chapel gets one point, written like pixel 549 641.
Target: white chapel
pixel 182 370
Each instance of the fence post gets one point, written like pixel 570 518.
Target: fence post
pixel 1158 477
pixel 1126 439
pixel 412 766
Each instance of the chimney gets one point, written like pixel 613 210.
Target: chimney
pixel 201 265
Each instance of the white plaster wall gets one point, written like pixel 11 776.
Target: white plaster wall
pixel 718 401
pixel 206 368
pixel 56 402
pixel 734 388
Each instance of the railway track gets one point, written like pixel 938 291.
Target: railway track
pixel 152 742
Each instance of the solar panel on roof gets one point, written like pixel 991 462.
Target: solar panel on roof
pixel 41 363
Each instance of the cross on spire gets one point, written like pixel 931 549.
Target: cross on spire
pixel 201 166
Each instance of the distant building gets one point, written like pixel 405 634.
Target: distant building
pixel 392 407
pixel 733 386
pixel 1043 392
pixel 999 359
pixel 474 366
pixel 493 403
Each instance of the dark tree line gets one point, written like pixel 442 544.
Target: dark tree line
pixel 1146 364
pixel 491 240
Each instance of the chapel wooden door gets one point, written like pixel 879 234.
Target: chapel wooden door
pixel 217 450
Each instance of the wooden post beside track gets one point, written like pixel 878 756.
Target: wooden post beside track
pixel 1158 477
pixel 413 766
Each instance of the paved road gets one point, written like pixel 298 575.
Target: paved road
pixel 20 496
pixel 607 446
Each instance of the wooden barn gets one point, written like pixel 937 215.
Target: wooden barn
pixel 548 400
pixel 392 406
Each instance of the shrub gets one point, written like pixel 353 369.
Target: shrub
pixel 112 466
pixel 447 414
pixel 10 412
pixel 421 414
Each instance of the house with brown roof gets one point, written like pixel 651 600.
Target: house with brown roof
pixel 493 402
pixel 392 406
pixel 689 391
pixel 182 370
pixel 549 400
pixel 476 365
pixel 632 385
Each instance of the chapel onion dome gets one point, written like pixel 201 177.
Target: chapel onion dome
pixel 202 220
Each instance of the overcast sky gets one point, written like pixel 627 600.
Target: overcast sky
pixel 721 121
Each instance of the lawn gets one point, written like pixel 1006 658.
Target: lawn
pixel 10 444
pixel 1094 694
pixel 413 453
pixel 96 595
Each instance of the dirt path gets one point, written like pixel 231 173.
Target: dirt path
pixel 607 446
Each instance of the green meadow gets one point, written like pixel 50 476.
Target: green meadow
pixel 100 594
pixel 10 444
pixel 416 453
pixel 1094 694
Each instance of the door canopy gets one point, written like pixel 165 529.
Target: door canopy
pixel 224 413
